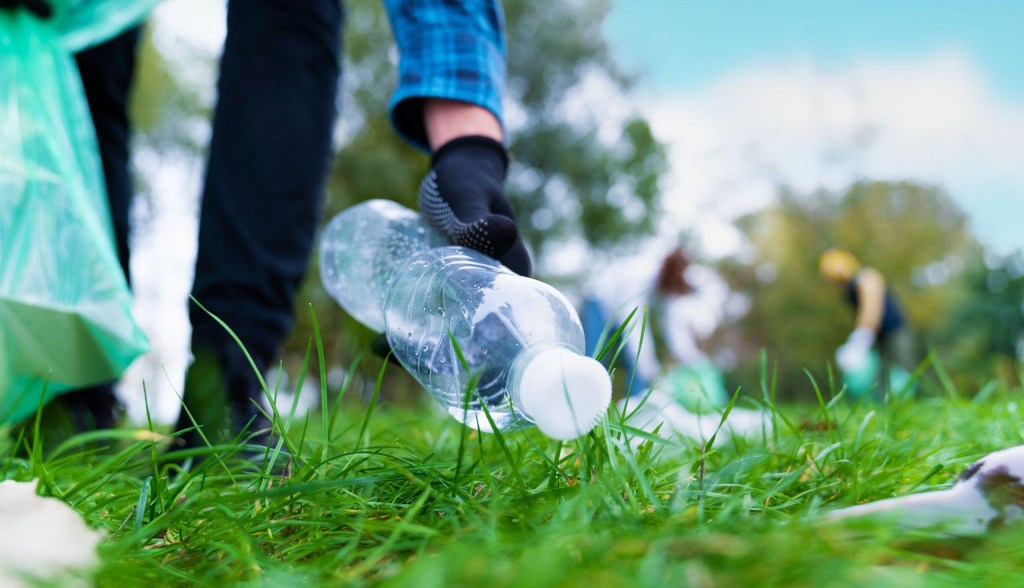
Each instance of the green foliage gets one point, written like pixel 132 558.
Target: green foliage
pixel 165 114
pixel 569 179
pixel 161 104
pixel 985 333
pixel 914 234
pixel 372 162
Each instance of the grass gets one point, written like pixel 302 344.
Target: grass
pixel 386 495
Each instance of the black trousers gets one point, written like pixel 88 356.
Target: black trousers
pixel 267 165
pixel 107 72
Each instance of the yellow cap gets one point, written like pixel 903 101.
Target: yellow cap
pixel 838 265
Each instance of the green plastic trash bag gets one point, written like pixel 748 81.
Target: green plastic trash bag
pixel 697 387
pixel 901 383
pixel 65 307
pixel 865 379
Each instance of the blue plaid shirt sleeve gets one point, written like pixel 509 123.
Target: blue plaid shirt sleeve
pixel 452 49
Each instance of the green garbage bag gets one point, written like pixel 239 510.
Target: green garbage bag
pixel 65 307
pixel 865 379
pixel 698 387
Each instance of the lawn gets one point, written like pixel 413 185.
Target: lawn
pixel 405 496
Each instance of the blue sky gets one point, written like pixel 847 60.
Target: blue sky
pixel 939 84
pixel 684 43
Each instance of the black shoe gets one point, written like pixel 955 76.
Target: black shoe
pixel 74 412
pixel 221 410
pixel 91 409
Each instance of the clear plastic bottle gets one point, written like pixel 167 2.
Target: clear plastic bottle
pixel 472 332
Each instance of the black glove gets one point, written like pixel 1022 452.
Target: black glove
pixel 40 8
pixel 463 197
pixel 380 346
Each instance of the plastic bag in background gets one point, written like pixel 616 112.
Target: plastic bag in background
pixel 699 387
pixel 865 380
pixel 65 307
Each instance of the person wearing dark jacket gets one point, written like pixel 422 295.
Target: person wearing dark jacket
pixel 880 325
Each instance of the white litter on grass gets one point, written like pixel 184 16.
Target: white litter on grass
pixel 42 540
pixel 989 494
pixel 661 410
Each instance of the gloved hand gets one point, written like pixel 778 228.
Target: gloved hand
pixel 463 197
pixel 40 8
pixel 852 355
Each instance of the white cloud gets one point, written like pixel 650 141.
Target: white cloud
pixel 935 119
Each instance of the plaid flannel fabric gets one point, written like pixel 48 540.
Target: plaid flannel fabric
pixel 452 49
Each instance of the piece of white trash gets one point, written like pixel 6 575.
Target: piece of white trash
pixel 987 495
pixel 658 409
pixel 42 540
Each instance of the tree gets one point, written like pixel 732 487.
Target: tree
pixel 914 234
pixel 169 119
pixel 582 169
pixel 985 334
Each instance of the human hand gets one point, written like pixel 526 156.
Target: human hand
pixel 40 8
pixel 852 355
pixel 463 197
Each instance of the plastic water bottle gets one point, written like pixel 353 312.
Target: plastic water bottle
pixel 481 339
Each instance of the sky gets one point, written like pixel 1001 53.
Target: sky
pixel 815 93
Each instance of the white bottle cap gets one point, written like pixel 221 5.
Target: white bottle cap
pixel 564 393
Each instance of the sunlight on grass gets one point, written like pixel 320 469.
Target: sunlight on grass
pixel 405 496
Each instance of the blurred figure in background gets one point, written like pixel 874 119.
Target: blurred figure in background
pixel 880 342
pixel 665 351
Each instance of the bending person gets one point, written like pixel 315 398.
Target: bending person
pixel 661 290
pixel 879 325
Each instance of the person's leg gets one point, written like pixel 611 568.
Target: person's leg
pixel 107 71
pixel 595 324
pixel 898 355
pixel 637 358
pixel 264 185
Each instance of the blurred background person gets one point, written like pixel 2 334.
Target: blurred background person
pixel 664 352
pixel 880 343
